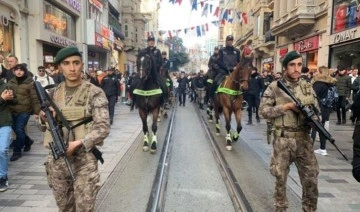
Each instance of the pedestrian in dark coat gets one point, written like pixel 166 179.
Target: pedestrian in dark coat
pixel 111 86
pixel 253 94
pixel 321 84
pixel 343 85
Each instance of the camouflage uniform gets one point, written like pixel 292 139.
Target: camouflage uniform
pixel 77 104
pixel 292 142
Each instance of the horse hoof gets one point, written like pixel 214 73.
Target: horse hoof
pixel 159 120
pixel 210 120
pixel 153 148
pixel 145 148
pixel 228 145
pixel 217 134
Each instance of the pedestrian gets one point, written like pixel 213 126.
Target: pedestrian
pixel 343 85
pixel 292 140
pixel 7 99
pixel 93 79
pixel 23 86
pixel 111 86
pixel 305 73
pixel 75 94
pixel 43 78
pixel 267 79
pixel 253 94
pixel 322 82
pixel 7 73
pixel 199 85
pixel 183 85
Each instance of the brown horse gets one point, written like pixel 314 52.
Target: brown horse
pixel 229 99
pixel 148 98
pixel 164 74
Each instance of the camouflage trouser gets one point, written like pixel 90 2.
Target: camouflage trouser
pixel 81 194
pixel 299 149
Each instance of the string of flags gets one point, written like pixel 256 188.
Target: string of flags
pixel 223 14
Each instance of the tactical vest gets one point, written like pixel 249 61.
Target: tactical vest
pixel 293 121
pixel 230 58
pixel 74 111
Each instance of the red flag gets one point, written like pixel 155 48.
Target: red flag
pixel 170 36
pixel 206 27
pixel 216 13
pixel 178 1
pixel 202 3
pixel 244 18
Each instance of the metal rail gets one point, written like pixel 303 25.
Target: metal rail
pixel 237 196
pixel 156 201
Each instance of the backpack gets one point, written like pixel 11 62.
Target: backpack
pixel 331 97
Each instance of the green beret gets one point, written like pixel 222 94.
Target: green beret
pixel 66 52
pixel 289 57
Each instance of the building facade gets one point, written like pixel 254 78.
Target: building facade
pixel 301 25
pixel 344 33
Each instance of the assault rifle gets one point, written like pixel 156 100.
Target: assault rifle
pixel 311 117
pixel 58 146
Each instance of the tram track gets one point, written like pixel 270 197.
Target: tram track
pixel 157 198
pixel 237 196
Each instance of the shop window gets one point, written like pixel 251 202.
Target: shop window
pixel 347 55
pixel 6 38
pixel 312 60
pixel 57 21
pixel 345 15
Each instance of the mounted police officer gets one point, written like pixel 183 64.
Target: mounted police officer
pixel 229 57
pixel 166 67
pixel 155 54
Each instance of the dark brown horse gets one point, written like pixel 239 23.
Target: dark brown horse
pixel 148 98
pixel 164 74
pixel 209 99
pixel 229 99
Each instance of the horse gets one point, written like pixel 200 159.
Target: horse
pixel 148 98
pixel 164 76
pixel 229 98
pixel 209 100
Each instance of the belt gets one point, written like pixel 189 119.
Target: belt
pixel 287 134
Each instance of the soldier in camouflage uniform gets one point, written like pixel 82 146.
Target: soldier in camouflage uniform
pixel 77 100
pixel 292 141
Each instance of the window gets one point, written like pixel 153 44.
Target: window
pixel 6 38
pixel 57 21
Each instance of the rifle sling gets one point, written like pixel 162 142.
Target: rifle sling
pixel 69 127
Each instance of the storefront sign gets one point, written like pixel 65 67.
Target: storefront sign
pixel 118 44
pixel 282 52
pixel 101 41
pixel 62 41
pixel 344 36
pixel 97 4
pixel 307 44
pixel 74 4
pixel 268 60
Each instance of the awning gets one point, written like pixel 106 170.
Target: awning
pixel 119 34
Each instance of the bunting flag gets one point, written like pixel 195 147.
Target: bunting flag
pixel 194 5
pixel 224 14
pixel 198 31
pixel 205 11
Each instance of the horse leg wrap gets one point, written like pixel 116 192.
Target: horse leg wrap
pixel 217 129
pixel 235 136
pixel 153 144
pixel 228 142
pixel 146 143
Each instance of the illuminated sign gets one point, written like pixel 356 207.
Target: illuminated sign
pixel 307 44
pixel 62 41
pixel 74 4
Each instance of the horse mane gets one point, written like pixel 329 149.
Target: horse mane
pixel 152 70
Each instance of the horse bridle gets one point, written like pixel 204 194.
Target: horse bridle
pixel 141 69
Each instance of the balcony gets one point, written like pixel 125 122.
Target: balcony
pixel 300 20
